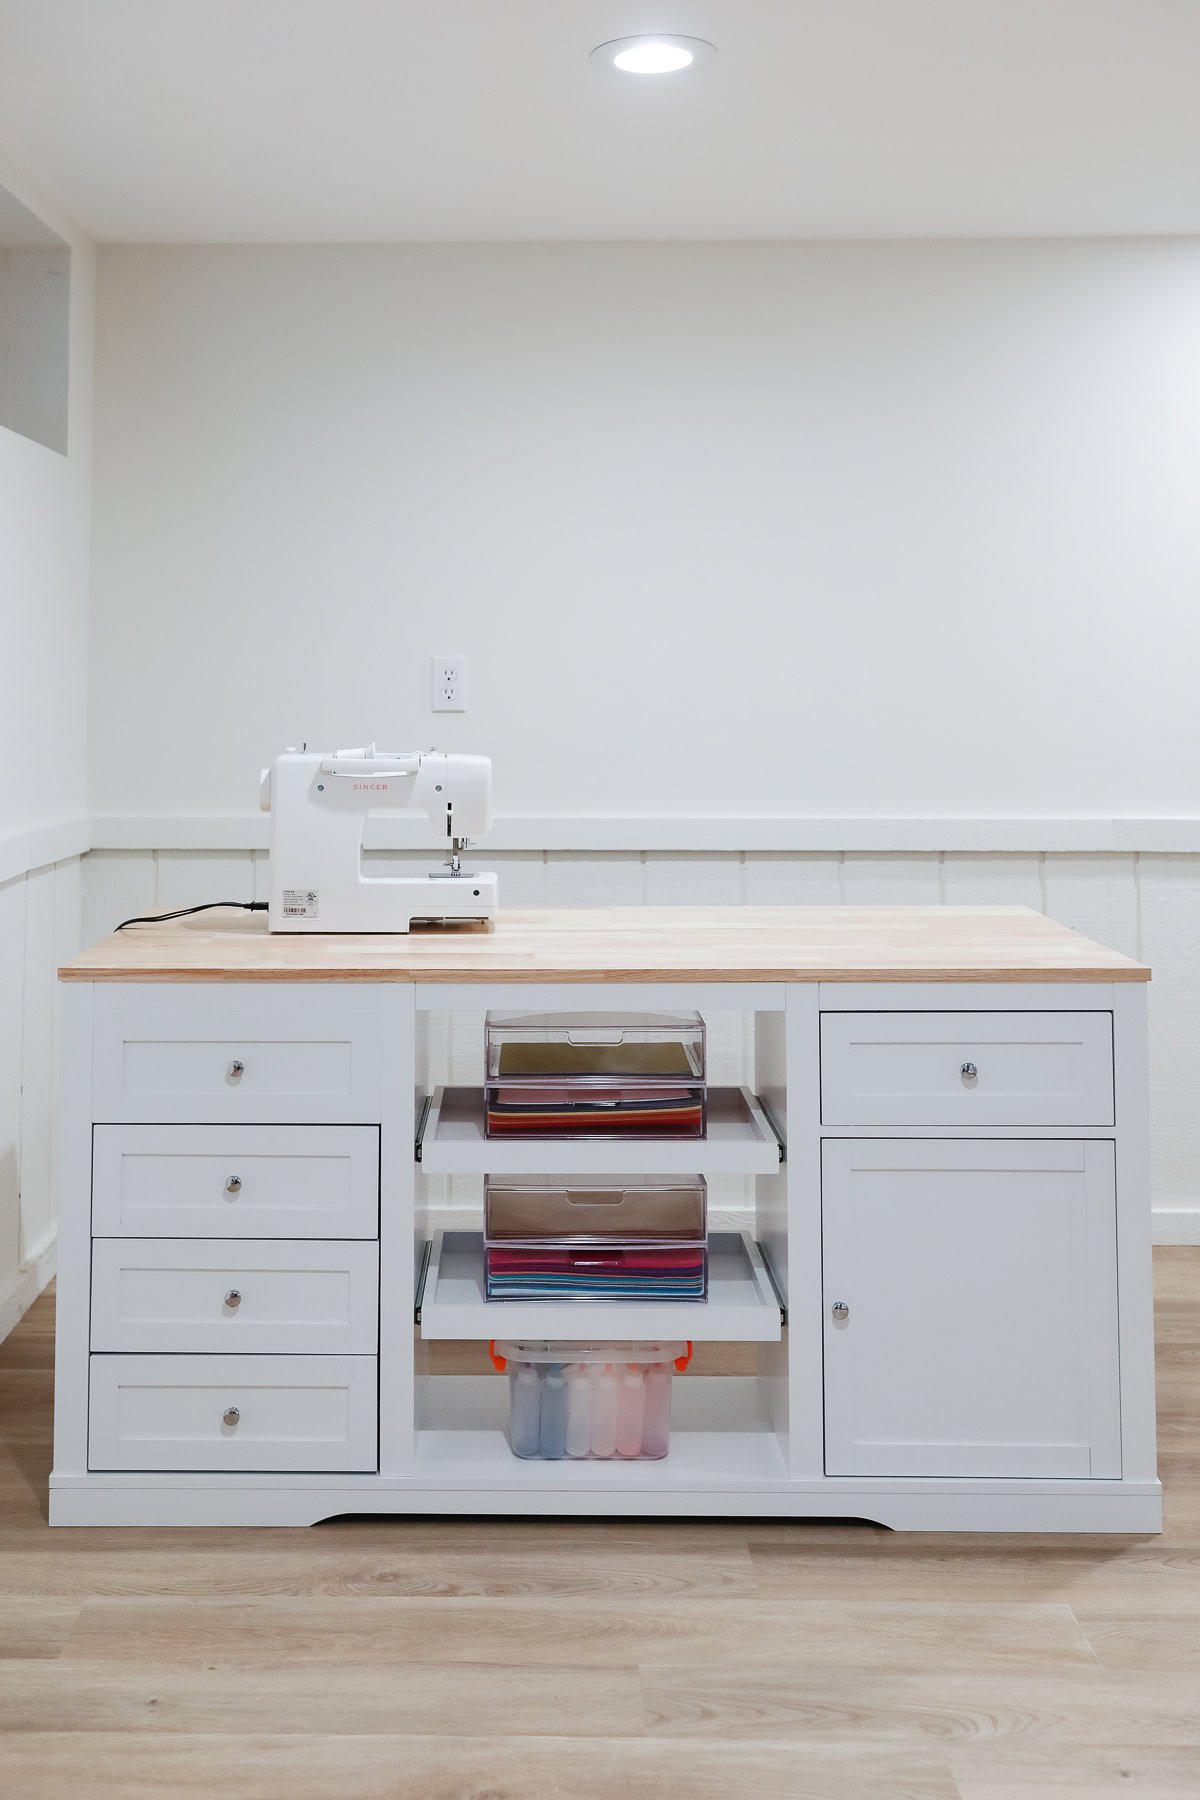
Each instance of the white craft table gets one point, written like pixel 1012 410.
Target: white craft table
pixel 945 1279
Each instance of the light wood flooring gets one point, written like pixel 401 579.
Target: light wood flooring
pixel 439 1660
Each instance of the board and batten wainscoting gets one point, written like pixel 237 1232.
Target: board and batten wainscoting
pixel 1144 902
pixel 40 927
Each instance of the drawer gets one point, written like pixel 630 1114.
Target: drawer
pixel 222 1294
pixel 235 1181
pixel 1045 1068
pixel 229 1052
pixel 310 1414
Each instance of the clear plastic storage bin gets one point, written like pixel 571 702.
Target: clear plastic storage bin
pixel 595 1075
pixel 590 1400
pixel 595 1238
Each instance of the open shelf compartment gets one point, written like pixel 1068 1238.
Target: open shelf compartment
pixel 453 1141
pixel 721 1438
pixel 742 1306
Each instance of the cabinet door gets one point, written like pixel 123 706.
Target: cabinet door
pixel 970 1308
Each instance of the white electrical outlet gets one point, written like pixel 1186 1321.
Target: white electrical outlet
pixel 449 678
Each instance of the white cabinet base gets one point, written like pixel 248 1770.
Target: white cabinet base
pixel 1131 1508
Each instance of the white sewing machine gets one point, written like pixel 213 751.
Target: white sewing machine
pixel 319 801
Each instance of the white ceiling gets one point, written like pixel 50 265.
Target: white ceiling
pixel 353 120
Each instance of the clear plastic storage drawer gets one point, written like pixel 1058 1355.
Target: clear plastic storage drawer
pixel 595 1209
pixel 595 1075
pixel 592 1238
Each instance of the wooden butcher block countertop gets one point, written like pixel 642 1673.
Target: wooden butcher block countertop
pixel 627 943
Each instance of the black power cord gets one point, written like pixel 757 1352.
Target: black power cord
pixel 182 912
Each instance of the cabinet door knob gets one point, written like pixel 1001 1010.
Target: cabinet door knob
pixel 231 1415
pixel 237 1067
pixel 840 1311
pixel 233 1184
pixel 234 1297
pixel 969 1072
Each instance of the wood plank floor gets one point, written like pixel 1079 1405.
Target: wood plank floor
pixel 458 1660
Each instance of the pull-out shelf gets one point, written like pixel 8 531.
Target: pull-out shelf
pixel 452 1140
pixel 742 1304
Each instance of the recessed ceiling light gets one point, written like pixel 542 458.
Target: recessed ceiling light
pixel 653 54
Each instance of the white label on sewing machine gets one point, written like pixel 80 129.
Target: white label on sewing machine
pixel 301 903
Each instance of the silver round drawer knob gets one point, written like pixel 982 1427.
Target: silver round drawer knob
pixel 233 1184
pixel 231 1415
pixel 840 1311
pixel 234 1297
pixel 969 1072
pixel 236 1068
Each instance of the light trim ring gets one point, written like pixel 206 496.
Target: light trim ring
pixel 652 53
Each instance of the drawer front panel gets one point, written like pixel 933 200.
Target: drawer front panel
pixel 963 1069
pixel 297 1414
pixel 255 1181
pixel 236 1053
pixel 223 1295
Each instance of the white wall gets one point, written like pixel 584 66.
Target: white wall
pixel 734 530
pixel 44 524
pixel 45 502
pixel 35 328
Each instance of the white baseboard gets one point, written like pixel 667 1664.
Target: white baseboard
pixel 32 1278
pixel 1176 1222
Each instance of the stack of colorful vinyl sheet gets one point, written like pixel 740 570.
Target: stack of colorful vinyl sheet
pixel 590 1400
pixel 595 1075
pixel 595 1238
